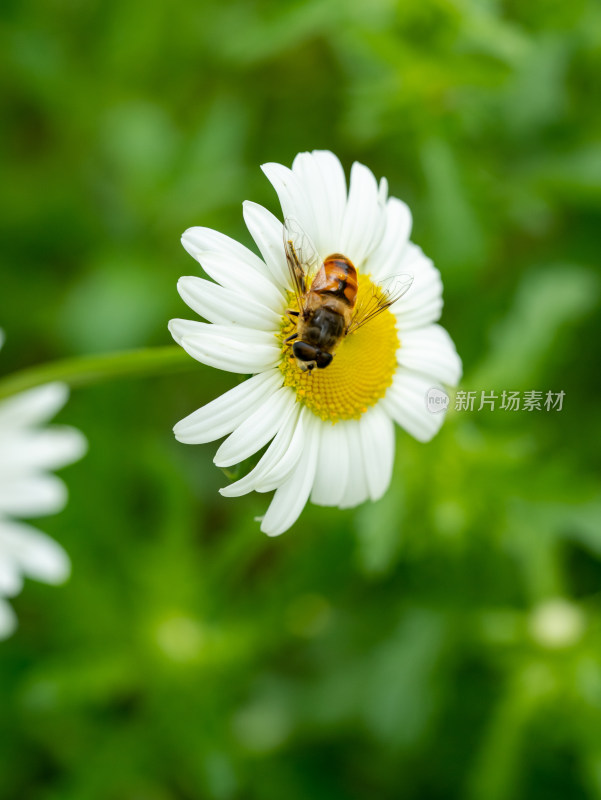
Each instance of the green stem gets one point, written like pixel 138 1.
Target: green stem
pixel 88 370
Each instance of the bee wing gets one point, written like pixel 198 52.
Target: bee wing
pixel 302 257
pixel 381 298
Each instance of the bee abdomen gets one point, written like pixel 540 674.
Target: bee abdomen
pixel 338 279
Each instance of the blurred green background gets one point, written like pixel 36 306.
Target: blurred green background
pixel 442 643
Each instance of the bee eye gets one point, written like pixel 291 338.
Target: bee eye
pixel 304 351
pixel 323 359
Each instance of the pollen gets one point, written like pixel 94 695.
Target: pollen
pixel 362 370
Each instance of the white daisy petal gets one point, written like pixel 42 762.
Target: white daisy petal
pixel 321 173
pixel 364 217
pixel 430 350
pixel 225 306
pixel 27 450
pixel 383 191
pixel 293 197
pixel 274 477
pixel 377 443
pixel 332 466
pixel 357 487
pixel 422 304
pixel 405 401
pixel 33 406
pixel 199 240
pixel 38 555
pixel 8 620
pixel 268 233
pixel 222 415
pixel 11 581
pixel 32 495
pixel 228 347
pixel 424 316
pixel 278 460
pixel 257 429
pixel 387 258
pixel 290 498
pixel 232 265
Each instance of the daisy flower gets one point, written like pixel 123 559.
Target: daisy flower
pixel 27 452
pixel 330 432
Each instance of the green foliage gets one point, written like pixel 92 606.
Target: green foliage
pixel 443 643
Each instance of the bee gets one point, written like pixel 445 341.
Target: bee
pixel 326 294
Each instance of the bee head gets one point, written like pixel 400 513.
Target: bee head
pixel 308 356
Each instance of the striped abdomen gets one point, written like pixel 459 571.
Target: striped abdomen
pixel 337 279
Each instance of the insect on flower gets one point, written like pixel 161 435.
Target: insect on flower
pixel 326 295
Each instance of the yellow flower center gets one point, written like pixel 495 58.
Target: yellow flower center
pixel 362 369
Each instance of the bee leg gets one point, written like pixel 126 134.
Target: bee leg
pixel 292 315
pixel 290 338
